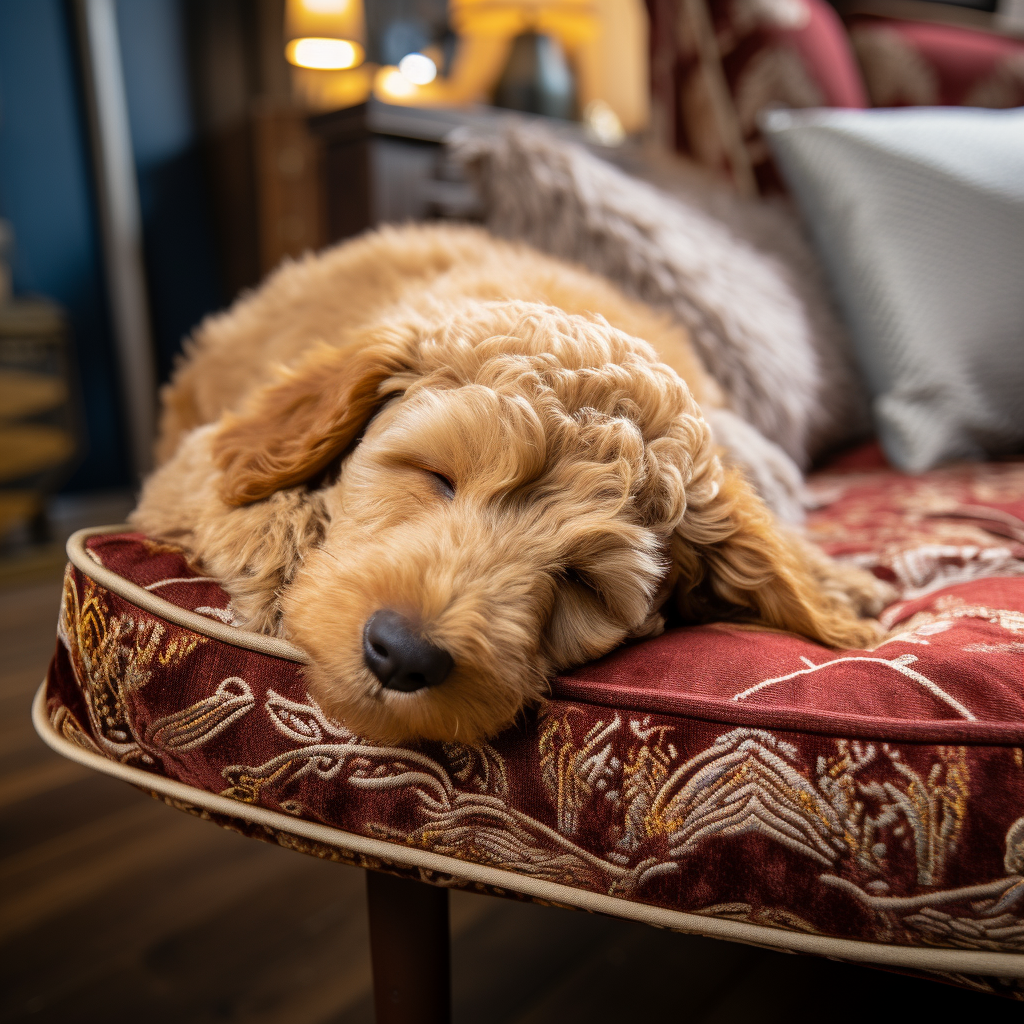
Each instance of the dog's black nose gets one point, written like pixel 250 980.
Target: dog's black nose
pixel 399 657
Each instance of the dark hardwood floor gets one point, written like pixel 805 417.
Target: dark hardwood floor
pixel 115 908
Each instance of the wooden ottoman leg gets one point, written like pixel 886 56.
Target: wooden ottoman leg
pixel 409 944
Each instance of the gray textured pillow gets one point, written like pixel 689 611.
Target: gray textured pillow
pixel 740 276
pixel 919 217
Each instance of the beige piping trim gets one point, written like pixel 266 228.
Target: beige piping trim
pixel 82 560
pixel 1002 965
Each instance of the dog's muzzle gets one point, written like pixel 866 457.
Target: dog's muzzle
pixel 399 657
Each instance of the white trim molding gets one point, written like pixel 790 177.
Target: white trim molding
pixel 117 194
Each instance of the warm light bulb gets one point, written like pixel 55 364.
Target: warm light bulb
pixel 392 84
pixel 325 6
pixel 324 54
pixel 418 68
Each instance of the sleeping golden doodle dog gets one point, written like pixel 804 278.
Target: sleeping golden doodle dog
pixel 448 467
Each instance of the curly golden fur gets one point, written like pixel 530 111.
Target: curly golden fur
pixel 474 436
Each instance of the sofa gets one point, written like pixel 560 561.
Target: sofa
pixel 756 787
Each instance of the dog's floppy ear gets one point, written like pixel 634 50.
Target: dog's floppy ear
pixel 291 429
pixel 735 561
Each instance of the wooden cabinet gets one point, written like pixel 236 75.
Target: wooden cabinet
pixel 324 178
pixel 289 190
pixel 385 165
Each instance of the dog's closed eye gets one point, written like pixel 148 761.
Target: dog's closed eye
pixel 579 579
pixel 446 486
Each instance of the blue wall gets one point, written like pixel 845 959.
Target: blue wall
pixel 46 191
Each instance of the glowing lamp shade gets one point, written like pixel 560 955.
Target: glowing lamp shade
pixel 324 54
pixel 324 35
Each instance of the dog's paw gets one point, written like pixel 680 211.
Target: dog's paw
pixel 864 592
pixel 880 596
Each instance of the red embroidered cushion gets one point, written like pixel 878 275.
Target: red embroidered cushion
pixel 909 63
pixel 738 783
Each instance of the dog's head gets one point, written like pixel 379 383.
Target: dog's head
pixel 474 502
pixel 510 480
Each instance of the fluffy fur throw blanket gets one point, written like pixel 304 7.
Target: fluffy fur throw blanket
pixel 739 275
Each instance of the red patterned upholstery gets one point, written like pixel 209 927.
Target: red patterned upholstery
pixel 792 54
pixel 731 59
pixel 734 778
pixel 908 63
pixel 716 64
